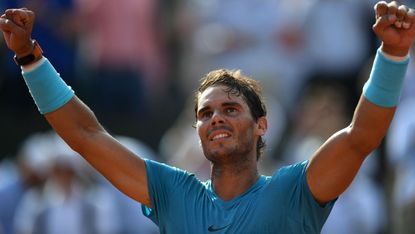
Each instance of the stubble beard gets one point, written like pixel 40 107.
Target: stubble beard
pixel 230 153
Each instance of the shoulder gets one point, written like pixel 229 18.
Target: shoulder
pixel 292 171
pixel 289 180
pixel 163 174
pixel 159 167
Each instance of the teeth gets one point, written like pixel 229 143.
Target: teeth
pixel 222 135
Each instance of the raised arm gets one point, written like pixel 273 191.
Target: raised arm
pixel 333 167
pixel 68 115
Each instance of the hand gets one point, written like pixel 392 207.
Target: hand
pixel 17 25
pixel 395 27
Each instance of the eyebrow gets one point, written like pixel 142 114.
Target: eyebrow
pixel 231 104
pixel 225 104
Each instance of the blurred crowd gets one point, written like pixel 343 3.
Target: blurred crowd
pixel 136 63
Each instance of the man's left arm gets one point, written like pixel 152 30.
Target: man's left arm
pixel 334 166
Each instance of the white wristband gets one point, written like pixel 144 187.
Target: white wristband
pixel 394 58
pixel 33 66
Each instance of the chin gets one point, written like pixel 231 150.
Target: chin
pixel 219 153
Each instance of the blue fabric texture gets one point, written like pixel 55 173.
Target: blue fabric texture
pixel 282 203
pixel 48 89
pixel 386 80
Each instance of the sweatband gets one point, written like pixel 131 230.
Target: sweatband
pixel 48 89
pixel 385 81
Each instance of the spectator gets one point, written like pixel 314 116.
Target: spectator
pixel 123 64
pixel 32 170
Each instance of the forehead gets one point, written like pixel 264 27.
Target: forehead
pixel 218 95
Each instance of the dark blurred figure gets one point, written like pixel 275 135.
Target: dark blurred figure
pixel 121 58
pixel 342 28
pixel 322 108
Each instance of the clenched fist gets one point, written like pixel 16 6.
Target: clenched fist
pixel 395 27
pixel 17 25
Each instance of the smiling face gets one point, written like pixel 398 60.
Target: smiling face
pixel 237 85
pixel 226 127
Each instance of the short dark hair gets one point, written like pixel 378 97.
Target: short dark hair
pixel 237 84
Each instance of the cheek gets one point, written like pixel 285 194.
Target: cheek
pixel 246 129
pixel 200 130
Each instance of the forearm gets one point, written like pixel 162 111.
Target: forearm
pixel 65 112
pixel 369 126
pixel 75 123
pixel 377 105
pixel 79 128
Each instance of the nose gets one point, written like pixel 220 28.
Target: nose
pixel 217 118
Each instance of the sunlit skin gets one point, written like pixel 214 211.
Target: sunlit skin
pixel 228 135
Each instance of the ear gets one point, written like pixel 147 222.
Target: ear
pixel 262 126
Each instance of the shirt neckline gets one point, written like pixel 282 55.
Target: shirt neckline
pixel 229 204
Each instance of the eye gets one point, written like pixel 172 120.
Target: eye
pixel 231 110
pixel 205 115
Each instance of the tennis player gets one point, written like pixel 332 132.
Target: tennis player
pixel 230 120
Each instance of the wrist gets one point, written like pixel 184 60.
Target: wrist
pixel 25 50
pixel 394 58
pixel 28 58
pixel 394 51
pixel 33 66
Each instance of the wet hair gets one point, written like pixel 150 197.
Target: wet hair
pixel 240 85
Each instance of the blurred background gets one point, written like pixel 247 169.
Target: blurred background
pixel 136 63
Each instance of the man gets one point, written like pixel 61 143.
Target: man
pixel 230 121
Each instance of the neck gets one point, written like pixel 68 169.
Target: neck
pixel 230 181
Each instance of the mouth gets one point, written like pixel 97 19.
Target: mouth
pixel 219 135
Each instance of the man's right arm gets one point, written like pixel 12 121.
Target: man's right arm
pixel 70 117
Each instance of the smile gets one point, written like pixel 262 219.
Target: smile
pixel 220 136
